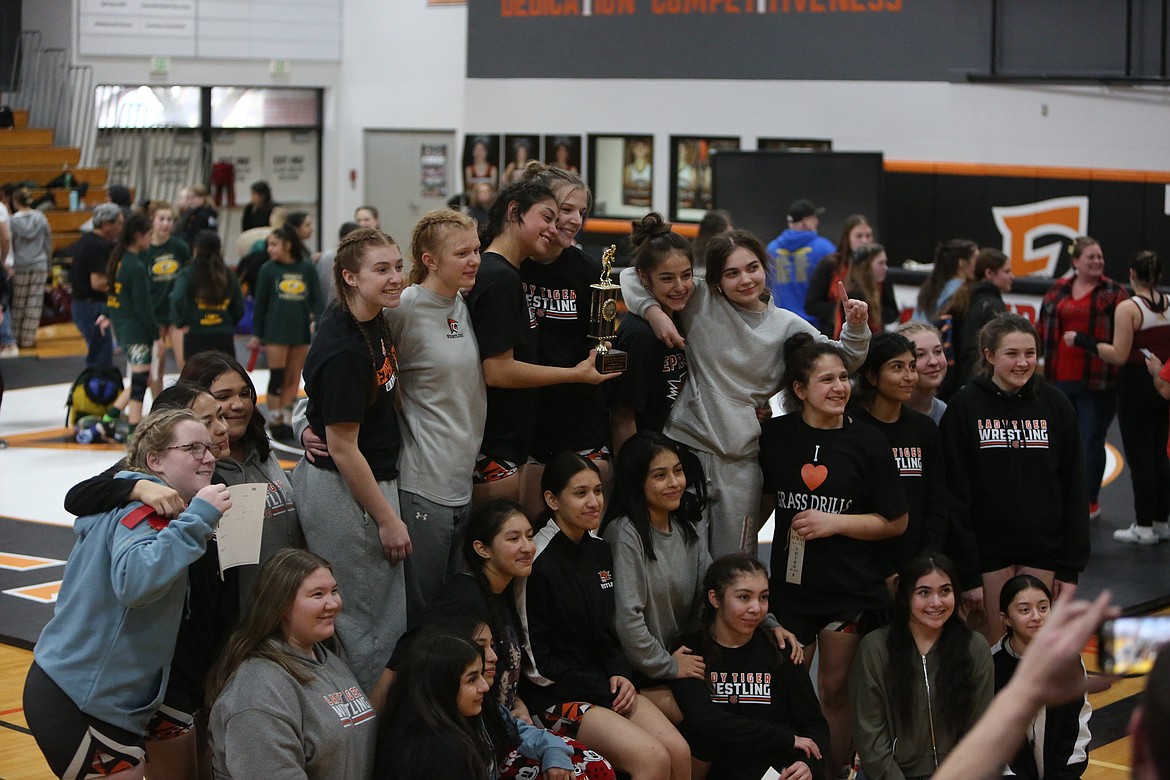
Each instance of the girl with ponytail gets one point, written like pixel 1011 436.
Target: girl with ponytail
pixel 351 377
pixel 642 397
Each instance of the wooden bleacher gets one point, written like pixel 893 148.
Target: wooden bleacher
pixel 28 155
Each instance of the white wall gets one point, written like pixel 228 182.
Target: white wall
pixel 403 66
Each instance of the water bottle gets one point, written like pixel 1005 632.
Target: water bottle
pixel 74 201
pixel 87 435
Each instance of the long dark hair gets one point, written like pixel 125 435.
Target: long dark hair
pixel 557 472
pixel 947 257
pixel 421 707
pixel 883 346
pixel 502 733
pixel 296 247
pixel 203 368
pixel 136 225
pixel 484 526
pixel 525 194
pixel 955 689
pixel 720 576
pixel 209 276
pixel 1017 585
pixel 631 471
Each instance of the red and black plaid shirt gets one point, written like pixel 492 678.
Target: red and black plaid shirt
pixel 1099 375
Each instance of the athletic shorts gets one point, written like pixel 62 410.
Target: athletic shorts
pixel 492 470
pixel 169 722
pixel 587 764
pixel 849 621
pixel 137 354
pixel 75 745
pixel 564 719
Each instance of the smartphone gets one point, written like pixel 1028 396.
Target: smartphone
pixel 1129 645
pixel 1146 353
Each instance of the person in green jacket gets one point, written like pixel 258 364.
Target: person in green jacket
pixel 130 311
pixel 206 302
pixel 288 300
pixel 920 683
pixel 166 255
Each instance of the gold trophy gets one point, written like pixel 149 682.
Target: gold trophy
pixel 603 318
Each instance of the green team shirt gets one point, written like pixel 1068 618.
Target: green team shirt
pixel 128 305
pixel 208 317
pixel 164 263
pixel 288 298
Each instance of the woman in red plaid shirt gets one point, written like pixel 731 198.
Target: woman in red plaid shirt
pixel 1077 314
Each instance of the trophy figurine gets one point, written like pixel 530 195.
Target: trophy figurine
pixel 603 318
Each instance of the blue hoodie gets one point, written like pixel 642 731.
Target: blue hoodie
pixel 110 642
pixel 794 255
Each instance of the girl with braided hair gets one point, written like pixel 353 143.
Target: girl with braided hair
pixel 351 377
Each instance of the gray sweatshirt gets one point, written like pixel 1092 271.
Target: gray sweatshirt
pixel 267 725
pixel 736 362
pixel 32 242
pixel 659 600
pixel 282 525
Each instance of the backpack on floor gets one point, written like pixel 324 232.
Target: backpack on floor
pixel 92 393
pixel 7 118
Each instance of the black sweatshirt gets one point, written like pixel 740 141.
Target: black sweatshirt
pixel 745 715
pixel 568 611
pixel 1015 465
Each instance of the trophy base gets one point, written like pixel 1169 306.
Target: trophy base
pixel 613 361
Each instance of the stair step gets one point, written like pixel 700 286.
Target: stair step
pixel 24 156
pixel 38 137
pixel 43 174
pixel 66 221
pixel 64 239
pixel 93 196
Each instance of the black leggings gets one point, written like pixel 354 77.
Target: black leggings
pixel 1144 418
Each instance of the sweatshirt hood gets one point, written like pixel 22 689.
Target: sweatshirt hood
pixel 793 240
pixel 1027 391
pixel 25 224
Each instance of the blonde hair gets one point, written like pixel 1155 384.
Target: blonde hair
pixel 154 434
pixel 430 234
pixel 909 329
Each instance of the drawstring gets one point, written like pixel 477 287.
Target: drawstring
pixel 930 713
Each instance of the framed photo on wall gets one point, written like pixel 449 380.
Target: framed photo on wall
pixel 621 174
pixel 519 150
pixel 563 151
pixel 794 144
pixel 481 161
pixel 690 160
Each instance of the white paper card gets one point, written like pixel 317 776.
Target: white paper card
pixel 771 774
pixel 795 568
pixel 241 527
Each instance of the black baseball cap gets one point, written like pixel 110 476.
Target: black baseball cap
pixel 800 209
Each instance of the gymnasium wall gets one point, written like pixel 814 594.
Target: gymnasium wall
pixel 405 69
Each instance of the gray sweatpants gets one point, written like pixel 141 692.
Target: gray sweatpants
pixel 373 592
pixel 436 536
pixel 733 503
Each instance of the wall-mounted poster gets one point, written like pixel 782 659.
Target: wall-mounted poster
pixel 519 150
pixel 432 161
pixel 621 173
pixel 690 159
pixel 563 151
pixel 794 144
pixel 481 161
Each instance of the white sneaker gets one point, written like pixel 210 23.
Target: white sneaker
pixel 1136 534
pixel 1163 531
pixel 10 351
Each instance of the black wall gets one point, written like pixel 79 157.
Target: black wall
pixel 9 35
